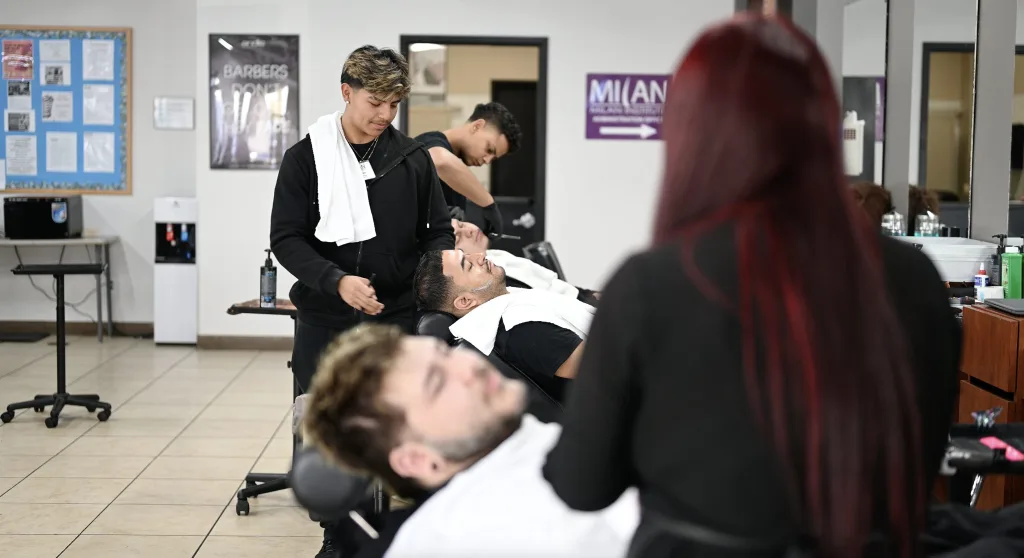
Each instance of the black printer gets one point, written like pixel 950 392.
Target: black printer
pixel 42 217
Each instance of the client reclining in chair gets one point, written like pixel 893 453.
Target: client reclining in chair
pixel 520 272
pixel 421 415
pixel 536 331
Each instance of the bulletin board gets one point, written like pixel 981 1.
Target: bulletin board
pixel 66 101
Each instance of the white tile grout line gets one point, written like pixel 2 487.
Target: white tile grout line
pixel 91 370
pixel 154 379
pixel 219 393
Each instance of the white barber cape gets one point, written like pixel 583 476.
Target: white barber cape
pixel 480 326
pixel 503 507
pixel 533 274
pixel 345 215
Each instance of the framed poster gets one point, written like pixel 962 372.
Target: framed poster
pixel 254 100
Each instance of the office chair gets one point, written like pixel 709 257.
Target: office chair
pixel 543 253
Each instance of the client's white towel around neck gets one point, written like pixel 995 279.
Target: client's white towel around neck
pixel 480 326
pixel 345 215
pixel 531 273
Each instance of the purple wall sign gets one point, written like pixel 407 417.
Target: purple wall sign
pixel 625 106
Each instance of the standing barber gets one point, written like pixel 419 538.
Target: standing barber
pixel 491 132
pixel 356 204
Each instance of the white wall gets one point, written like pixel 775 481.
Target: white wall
pixel 163 162
pixel 600 194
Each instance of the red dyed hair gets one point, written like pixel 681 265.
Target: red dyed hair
pixel 752 130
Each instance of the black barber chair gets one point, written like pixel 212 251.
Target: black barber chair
pixel 540 404
pixel 543 253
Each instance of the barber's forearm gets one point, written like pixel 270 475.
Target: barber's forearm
pixel 572 364
pixel 458 177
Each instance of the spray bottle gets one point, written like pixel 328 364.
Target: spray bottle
pixel 995 267
pixel 268 283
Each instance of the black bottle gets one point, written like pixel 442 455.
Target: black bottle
pixel 268 283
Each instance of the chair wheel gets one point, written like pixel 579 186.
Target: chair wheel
pixel 6 417
pixel 91 409
pixel 242 507
pixel 51 422
pixel 38 409
pixel 103 415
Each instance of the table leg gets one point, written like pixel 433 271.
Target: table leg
pixel 110 290
pixel 99 301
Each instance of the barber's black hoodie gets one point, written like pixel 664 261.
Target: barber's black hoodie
pixel 409 216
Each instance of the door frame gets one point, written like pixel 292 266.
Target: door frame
pixel 926 59
pixel 540 188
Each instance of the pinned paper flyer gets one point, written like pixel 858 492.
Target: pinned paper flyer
pixel 97 60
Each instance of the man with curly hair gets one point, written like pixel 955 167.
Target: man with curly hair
pixel 491 132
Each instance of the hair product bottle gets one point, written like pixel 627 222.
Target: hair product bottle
pixel 268 283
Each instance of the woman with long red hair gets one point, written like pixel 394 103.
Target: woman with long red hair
pixel 772 373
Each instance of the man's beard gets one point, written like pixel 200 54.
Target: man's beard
pixel 474 447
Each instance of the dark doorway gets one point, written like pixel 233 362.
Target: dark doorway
pixel 514 178
pixel 517 180
pixel 516 174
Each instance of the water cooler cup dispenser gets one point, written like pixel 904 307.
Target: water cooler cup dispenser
pixel 175 277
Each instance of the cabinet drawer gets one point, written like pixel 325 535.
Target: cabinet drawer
pixel 990 347
pixel 973 398
pixel 997 491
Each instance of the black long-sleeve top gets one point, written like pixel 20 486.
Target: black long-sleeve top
pixel 659 401
pixel 409 217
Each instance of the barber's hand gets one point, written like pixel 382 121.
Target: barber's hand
pixel 359 294
pixel 492 220
pixel 456 212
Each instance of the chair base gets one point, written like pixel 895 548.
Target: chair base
pixel 58 401
pixel 259 483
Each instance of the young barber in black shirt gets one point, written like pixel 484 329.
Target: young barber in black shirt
pixel 341 285
pixel 491 132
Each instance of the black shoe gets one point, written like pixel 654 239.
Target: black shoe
pixel 331 547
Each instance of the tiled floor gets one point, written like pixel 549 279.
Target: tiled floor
pixel 158 479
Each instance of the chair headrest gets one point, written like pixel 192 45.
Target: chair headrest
pixel 324 489
pixel 436 324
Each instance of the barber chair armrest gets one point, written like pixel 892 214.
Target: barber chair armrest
pixel 324 489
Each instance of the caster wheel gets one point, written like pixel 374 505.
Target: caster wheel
pixel 38 409
pixel 242 507
pixel 6 417
pixel 103 415
pixel 91 409
pixel 51 422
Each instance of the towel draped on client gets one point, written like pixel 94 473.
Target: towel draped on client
pixel 531 273
pixel 480 326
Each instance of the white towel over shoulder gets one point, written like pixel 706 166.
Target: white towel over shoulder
pixel 345 215
pixel 480 326
pixel 531 273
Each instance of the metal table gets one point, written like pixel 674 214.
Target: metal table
pixel 101 247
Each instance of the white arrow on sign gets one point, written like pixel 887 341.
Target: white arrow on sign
pixel 643 131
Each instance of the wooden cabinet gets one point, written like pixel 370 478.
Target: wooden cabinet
pixel 992 367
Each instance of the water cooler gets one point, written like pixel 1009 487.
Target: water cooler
pixel 175 277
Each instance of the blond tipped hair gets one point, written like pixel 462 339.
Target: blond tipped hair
pixel 382 72
pixel 346 418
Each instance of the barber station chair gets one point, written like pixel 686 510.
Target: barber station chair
pixel 542 253
pixel 540 404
